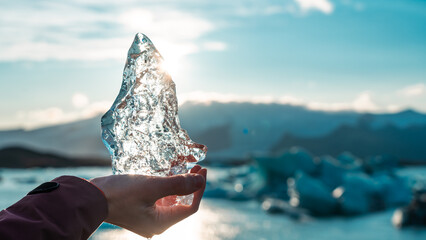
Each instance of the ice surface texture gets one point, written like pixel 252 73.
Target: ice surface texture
pixel 142 130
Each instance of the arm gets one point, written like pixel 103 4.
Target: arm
pixel 148 207
pixel 73 210
pixel 76 208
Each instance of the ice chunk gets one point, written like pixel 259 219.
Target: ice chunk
pixel 142 130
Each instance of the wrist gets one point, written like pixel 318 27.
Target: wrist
pixel 100 184
pixel 94 183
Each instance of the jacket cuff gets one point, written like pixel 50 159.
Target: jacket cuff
pixel 85 198
pixel 73 209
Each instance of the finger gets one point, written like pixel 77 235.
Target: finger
pixel 170 215
pixel 171 200
pixel 195 169
pixel 199 194
pixel 183 184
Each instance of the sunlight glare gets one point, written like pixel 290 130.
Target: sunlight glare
pixel 171 66
pixel 174 56
pixel 194 227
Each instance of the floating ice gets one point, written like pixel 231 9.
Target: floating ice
pixel 142 130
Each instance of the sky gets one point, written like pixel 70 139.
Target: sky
pixel 62 61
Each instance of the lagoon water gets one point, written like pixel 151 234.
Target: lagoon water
pixel 224 219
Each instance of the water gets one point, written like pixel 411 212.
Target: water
pixel 224 219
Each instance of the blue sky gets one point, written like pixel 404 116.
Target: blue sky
pixel 62 61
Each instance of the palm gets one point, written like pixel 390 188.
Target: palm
pixel 149 207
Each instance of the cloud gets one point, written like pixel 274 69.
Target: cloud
pixel 83 109
pixel 95 108
pixel 48 116
pixel 214 46
pixel 293 7
pixel 102 30
pixel 75 30
pixel 170 23
pixel 393 108
pixel 354 4
pixel 362 103
pixel 79 100
pixel 324 6
pixel 209 97
pixel 413 90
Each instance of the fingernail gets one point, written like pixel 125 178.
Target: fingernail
pixel 199 181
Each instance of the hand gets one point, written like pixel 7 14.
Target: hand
pixel 136 202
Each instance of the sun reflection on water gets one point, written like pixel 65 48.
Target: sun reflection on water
pixel 205 224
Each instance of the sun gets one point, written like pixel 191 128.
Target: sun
pixel 174 58
pixel 172 66
pixel 171 58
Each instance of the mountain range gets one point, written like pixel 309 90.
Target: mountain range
pixel 238 130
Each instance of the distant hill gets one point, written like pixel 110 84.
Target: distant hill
pixel 76 139
pixel 230 130
pixel 402 119
pixel 257 128
pixel 407 144
pixel 18 157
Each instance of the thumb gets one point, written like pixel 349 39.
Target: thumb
pixel 183 184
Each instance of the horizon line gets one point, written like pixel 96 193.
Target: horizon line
pixel 210 102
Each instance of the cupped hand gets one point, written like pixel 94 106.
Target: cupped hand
pixel 142 204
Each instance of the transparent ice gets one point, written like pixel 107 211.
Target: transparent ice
pixel 142 130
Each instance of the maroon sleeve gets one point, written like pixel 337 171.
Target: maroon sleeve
pixel 73 210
